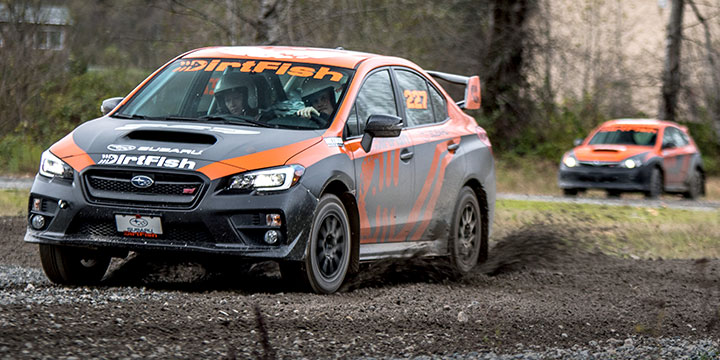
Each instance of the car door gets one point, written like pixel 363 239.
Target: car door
pixel 439 171
pixel 676 154
pixel 384 176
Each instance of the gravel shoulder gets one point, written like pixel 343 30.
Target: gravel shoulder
pixel 539 296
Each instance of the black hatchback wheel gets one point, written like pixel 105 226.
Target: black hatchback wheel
pixel 466 238
pixel 328 254
pixel 696 184
pixel 655 185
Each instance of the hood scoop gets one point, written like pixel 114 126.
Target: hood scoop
pixel 172 137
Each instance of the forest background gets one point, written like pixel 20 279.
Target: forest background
pixel 551 70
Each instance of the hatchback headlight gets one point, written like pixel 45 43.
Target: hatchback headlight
pixel 569 160
pixel 633 162
pixel 281 178
pixel 52 166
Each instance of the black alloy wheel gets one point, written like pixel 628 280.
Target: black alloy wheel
pixel 466 237
pixel 73 266
pixel 328 253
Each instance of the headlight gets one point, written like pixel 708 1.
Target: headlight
pixel 570 160
pixel 52 166
pixel 275 179
pixel 633 162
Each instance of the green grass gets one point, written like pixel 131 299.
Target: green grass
pixel 625 231
pixel 13 202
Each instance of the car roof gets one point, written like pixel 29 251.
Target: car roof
pixel 331 57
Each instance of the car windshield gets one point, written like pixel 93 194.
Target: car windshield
pixel 249 92
pixel 642 136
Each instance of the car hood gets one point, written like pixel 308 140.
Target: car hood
pixel 608 153
pixel 181 145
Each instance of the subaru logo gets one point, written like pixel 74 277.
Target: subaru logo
pixel 142 181
pixel 117 147
pixel 140 223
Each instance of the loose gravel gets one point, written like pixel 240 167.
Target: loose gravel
pixel 539 297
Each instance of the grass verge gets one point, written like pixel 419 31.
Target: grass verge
pixel 625 231
pixel 13 202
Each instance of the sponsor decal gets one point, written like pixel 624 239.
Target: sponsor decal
pixel 119 147
pixel 279 68
pixel 139 222
pixel 217 129
pixel 146 160
pixel 139 234
pixel 334 141
pixel 167 150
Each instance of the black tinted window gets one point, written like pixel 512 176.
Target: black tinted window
pixel 376 97
pixel 414 90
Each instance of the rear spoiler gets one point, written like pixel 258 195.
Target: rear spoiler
pixel 472 88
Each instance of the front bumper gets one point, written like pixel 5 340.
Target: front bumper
pixel 216 223
pixel 604 177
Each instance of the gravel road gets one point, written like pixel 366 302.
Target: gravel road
pixel 539 297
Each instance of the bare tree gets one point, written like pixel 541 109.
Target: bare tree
pixel 26 64
pixel 671 75
pixel 713 99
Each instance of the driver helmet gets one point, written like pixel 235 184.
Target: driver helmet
pixel 240 83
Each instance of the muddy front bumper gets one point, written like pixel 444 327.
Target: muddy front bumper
pixel 215 221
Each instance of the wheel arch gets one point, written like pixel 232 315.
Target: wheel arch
pixel 342 191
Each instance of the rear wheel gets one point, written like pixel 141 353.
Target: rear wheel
pixel 73 266
pixel 696 183
pixel 328 253
pixel 655 185
pixel 466 237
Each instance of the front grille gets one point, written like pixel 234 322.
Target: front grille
pixel 167 190
pixel 185 233
pixel 598 164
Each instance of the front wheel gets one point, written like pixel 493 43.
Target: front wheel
pixel 328 252
pixel 466 237
pixel 73 266
pixel 655 185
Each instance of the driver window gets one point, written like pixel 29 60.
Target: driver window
pixel 376 97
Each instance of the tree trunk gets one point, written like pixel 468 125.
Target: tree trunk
pixel 504 67
pixel 671 71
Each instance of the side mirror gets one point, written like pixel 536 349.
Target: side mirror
pixel 577 142
pixel 380 126
pixel 109 104
pixel 670 145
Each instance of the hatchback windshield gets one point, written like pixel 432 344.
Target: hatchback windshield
pixel 251 92
pixel 642 136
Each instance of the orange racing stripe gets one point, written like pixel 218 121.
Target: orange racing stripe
pixel 67 150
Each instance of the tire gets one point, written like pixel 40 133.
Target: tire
pixel 466 238
pixel 570 192
pixel 73 266
pixel 328 252
pixel 695 185
pixel 655 184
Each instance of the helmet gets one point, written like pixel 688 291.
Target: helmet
pixel 237 81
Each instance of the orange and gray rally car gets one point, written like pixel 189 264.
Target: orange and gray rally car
pixel 318 159
pixel 640 155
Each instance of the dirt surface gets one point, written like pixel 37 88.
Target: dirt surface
pixel 544 287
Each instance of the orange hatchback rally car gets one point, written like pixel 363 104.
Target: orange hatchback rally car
pixel 640 155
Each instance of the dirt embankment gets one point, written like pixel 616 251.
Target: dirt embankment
pixel 543 287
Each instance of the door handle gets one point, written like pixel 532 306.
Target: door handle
pixel 452 147
pixel 406 155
